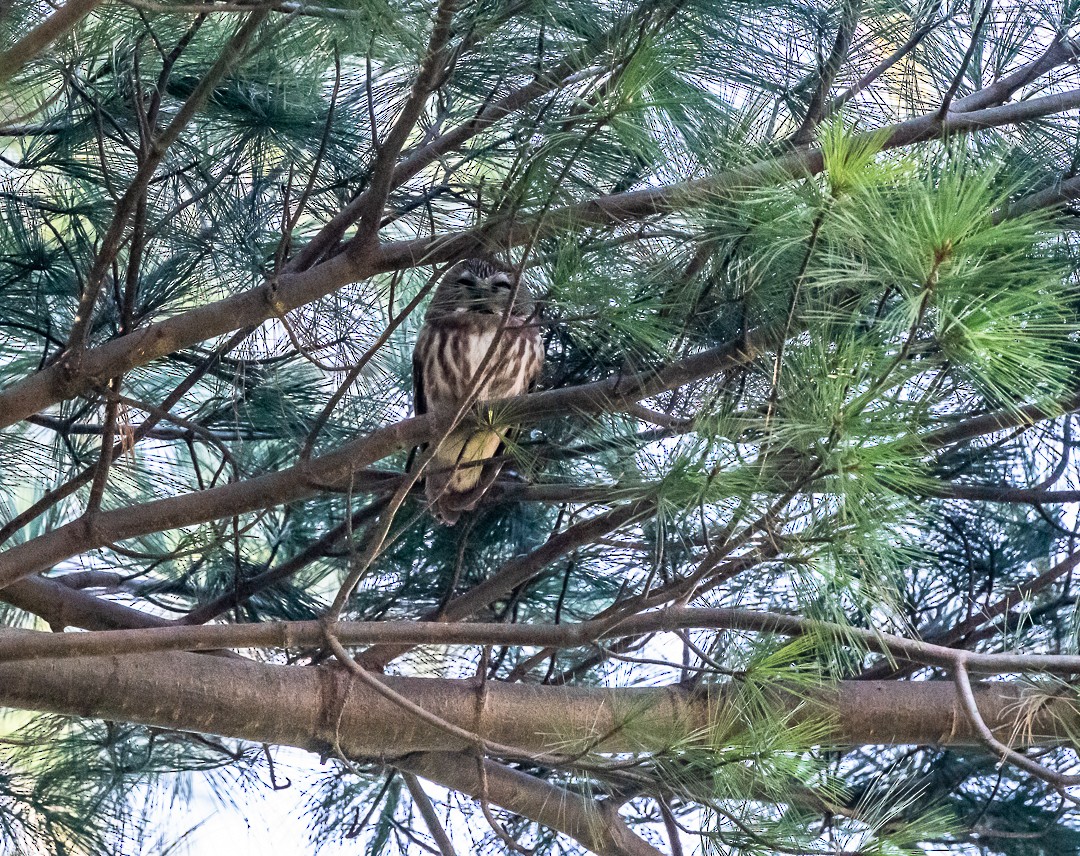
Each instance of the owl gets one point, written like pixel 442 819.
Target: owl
pixel 476 308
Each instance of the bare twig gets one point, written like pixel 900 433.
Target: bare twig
pixel 849 19
pixel 1006 753
pixel 427 811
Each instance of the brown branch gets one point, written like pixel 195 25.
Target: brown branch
pixel 55 27
pixel 849 19
pixel 61 606
pixel 999 420
pixel 1057 194
pixel 233 52
pixel 291 9
pixel 388 692
pixel 427 811
pixel 382 172
pixel 245 589
pixel 634 205
pixel 146 429
pixel 1006 493
pixel 22 645
pixel 314 707
pixel 595 824
pixel 1060 51
pixel 517 572
pixel 971 707
pixel 958 78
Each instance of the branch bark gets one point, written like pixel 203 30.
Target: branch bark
pixel 596 824
pixel 23 645
pixel 321 708
pixel 55 27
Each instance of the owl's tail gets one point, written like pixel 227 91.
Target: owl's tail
pixel 456 476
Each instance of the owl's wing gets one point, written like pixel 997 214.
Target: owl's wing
pixel 419 401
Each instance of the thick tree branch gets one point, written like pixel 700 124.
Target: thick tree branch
pixel 636 205
pixel 1062 50
pixel 1006 493
pixel 320 708
pixel 61 606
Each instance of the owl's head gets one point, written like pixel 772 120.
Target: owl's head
pixel 481 286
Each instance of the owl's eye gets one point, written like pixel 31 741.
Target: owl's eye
pixel 502 282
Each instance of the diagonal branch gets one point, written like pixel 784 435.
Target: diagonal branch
pixel 1006 753
pixel 382 172
pixel 555 78
pixel 55 27
pixel 157 147
pixel 849 19
pixel 517 572
pixel 61 606
pixel 1061 50
pixel 595 824
pixel 887 63
pixel 427 811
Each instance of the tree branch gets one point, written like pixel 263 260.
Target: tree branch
pixel 595 824
pixel 318 708
pixel 382 172
pixel 22 645
pixel 55 27
pixel 849 19
pixel 423 804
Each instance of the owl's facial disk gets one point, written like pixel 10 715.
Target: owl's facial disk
pixel 490 295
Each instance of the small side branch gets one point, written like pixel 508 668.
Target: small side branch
pixel 427 811
pixel 593 823
pixel 849 19
pixel 382 173
pixel 967 699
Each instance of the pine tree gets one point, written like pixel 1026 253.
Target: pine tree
pixel 780 559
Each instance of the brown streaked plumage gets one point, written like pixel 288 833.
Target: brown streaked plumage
pixel 476 309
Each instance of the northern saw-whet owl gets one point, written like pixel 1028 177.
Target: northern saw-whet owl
pixel 477 308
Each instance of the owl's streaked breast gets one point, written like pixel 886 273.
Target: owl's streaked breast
pixel 453 349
